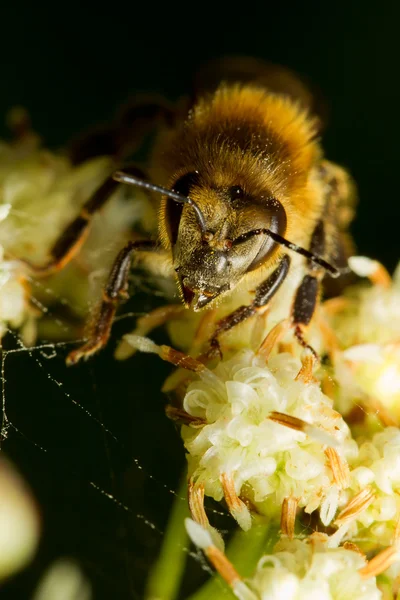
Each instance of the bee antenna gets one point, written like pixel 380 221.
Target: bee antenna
pixel 333 271
pixel 122 177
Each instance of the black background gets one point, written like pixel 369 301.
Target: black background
pixel 71 66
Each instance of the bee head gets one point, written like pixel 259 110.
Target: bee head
pixel 209 252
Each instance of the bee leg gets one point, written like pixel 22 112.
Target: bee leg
pixel 264 292
pixel 304 306
pixel 114 290
pixel 308 292
pixel 74 235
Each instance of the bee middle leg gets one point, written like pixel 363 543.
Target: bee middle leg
pixel 264 292
pixel 308 292
pixel 304 306
pixel 114 291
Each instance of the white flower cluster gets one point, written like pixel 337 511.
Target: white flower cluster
pixel 239 439
pixel 260 434
pixel 368 328
pixel 40 194
pixel 376 475
pixel 371 314
pixel 312 568
pixel 301 569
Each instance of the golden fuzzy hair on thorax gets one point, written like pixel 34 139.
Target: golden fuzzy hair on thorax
pixel 242 126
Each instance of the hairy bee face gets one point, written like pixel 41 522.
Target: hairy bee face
pixel 207 272
pixel 212 262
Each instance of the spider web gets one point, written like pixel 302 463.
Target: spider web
pixel 99 453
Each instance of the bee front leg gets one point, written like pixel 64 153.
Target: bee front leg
pixel 114 290
pixel 264 292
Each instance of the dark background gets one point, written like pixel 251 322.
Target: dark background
pixel 71 66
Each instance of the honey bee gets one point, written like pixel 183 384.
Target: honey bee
pixel 242 187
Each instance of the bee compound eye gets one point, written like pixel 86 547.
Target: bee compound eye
pixel 173 210
pixel 184 184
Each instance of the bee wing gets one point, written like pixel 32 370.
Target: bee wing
pixel 276 78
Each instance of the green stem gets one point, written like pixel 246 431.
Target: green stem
pixel 165 576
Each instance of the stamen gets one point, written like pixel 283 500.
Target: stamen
pixel 288 516
pixel 380 563
pixel 196 504
pixel 179 359
pixel 197 510
pixel 299 425
pixel 356 506
pixel 236 506
pixel 145 324
pixel 354 548
pixel 273 337
pixel 219 561
pixel 181 416
pixel 306 372
pixel 340 468
pixel 365 267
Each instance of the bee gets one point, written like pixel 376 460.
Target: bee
pixel 242 187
